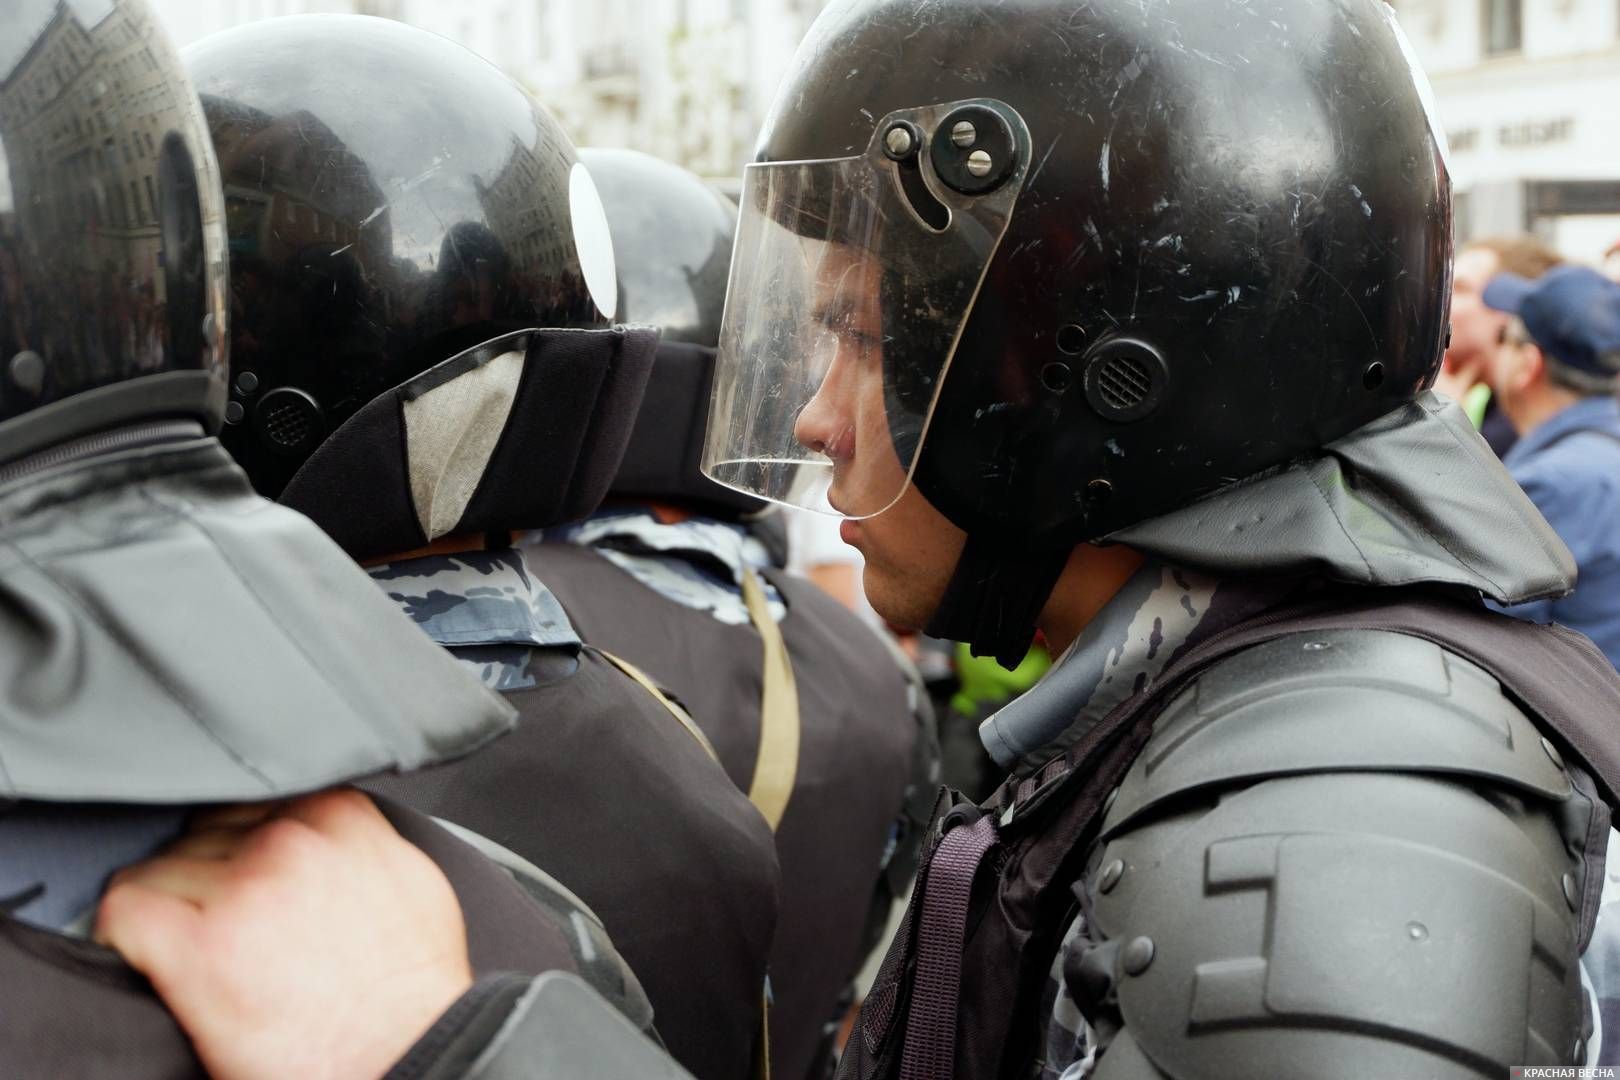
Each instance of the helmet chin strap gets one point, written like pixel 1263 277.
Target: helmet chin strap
pixel 995 595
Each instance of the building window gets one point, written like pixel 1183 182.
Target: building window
pixel 135 197
pixel 1504 26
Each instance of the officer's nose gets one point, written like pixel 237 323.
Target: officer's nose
pixel 826 423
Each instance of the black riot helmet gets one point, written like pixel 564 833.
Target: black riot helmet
pixel 672 238
pixel 112 274
pixel 1071 265
pixel 422 285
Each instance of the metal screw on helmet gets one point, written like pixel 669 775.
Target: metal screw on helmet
pixel 900 142
pixel 973 149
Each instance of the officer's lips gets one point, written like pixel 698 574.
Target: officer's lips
pixel 849 531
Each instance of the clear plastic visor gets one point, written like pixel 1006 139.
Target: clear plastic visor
pixel 851 280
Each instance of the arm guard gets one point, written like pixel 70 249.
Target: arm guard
pixel 1342 854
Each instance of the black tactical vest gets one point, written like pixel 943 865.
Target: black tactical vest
pixel 1000 874
pixel 74 1009
pixel 861 750
pixel 601 787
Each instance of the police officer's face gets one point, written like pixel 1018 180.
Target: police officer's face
pixel 845 419
pixel 910 548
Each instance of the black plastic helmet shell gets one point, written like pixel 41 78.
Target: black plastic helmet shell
pixel 1233 245
pixel 392 200
pixel 672 237
pixel 112 260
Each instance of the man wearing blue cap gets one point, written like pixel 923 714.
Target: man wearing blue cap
pixel 1554 374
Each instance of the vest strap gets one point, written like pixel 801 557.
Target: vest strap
pixel 929 1051
pixel 641 679
pixel 777 765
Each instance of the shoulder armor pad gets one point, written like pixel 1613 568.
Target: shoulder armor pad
pixel 1364 923
pixel 1346 849
pixel 1333 701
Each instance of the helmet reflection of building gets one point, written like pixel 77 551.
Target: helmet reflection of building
pixel 375 230
pixel 537 233
pixel 109 244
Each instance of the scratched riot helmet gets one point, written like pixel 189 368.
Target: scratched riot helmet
pixel 672 238
pixel 112 274
pixel 1067 266
pixel 422 282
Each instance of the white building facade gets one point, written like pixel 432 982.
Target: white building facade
pixel 1527 91
pixel 686 80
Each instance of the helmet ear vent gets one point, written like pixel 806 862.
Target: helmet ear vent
pixel 289 421
pixel 1124 379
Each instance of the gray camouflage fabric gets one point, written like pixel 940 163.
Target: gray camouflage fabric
pixel 485 607
pixel 697 562
pixel 1148 621
pixel 1600 965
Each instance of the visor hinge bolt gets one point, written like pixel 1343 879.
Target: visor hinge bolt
pixel 963 133
pixel 899 142
pixel 978 163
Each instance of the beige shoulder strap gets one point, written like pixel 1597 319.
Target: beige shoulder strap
pixel 777 765
pixel 669 703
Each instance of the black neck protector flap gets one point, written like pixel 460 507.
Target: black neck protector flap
pixel 569 420
pixel 664 458
pixel 994 598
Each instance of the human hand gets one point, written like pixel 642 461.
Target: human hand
pixel 304 938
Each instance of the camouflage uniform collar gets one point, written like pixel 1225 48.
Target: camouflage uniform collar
pixel 1129 641
pixel 697 562
pixel 728 547
pixel 477 598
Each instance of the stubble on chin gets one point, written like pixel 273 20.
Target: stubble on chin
pixel 906 596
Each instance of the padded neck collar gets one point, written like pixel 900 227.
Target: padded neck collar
pixel 521 432
pixel 168 636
